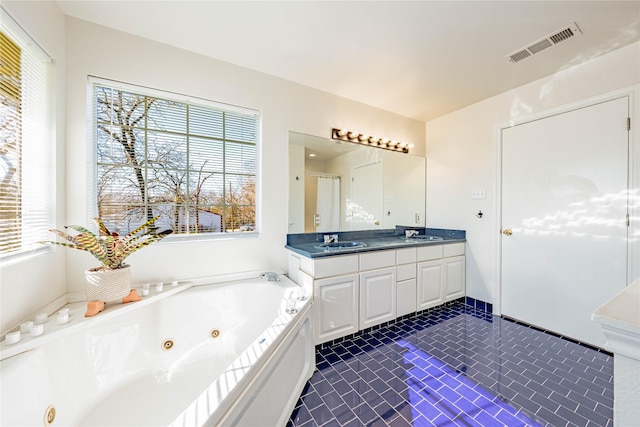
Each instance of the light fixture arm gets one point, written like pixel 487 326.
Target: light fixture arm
pixel 371 141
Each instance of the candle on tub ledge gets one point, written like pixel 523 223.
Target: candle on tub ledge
pixel 63 316
pixel 37 330
pixel 25 327
pixel 12 337
pixel 41 318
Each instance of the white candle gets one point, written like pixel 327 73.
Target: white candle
pixel 37 330
pixel 26 327
pixel 63 318
pixel 12 337
pixel 42 318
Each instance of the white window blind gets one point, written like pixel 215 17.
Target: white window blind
pixel 192 163
pixel 26 141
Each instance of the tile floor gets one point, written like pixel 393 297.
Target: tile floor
pixel 457 366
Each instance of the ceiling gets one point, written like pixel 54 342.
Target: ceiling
pixel 419 59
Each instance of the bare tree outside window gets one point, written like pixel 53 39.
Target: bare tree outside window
pixel 10 146
pixel 194 166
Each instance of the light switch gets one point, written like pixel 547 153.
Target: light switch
pixel 478 194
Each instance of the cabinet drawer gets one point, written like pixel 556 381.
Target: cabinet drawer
pixel 379 259
pixel 405 272
pixel 330 266
pixel 427 253
pixel 453 249
pixel 406 256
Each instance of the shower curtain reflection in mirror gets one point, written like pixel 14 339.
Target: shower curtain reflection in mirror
pixel 322 204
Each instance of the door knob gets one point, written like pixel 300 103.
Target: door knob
pixel 507 232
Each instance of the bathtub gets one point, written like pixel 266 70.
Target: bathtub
pixel 225 354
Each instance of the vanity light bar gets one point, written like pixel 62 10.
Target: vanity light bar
pixel 371 141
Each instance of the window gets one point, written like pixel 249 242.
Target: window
pixel 26 141
pixel 192 164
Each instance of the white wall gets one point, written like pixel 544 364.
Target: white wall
pixel 462 154
pixel 27 285
pixel 102 52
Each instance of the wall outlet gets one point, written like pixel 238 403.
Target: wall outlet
pixel 478 194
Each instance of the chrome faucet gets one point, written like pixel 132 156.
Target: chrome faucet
pixel 410 233
pixel 330 238
pixel 270 276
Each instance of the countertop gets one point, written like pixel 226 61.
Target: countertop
pixel 620 321
pixel 310 244
pixel 623 310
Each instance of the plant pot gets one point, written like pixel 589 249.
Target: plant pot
pixel 108 285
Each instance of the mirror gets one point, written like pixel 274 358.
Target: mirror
pixel 341 186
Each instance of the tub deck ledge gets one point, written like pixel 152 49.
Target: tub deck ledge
pixel 77 321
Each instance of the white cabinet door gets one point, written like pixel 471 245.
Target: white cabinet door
pixel 429 284
pixel 454 277
pixel 406 297
pixel 377 296
pixel 335 307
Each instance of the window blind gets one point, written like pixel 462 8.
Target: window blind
pixel 26 140
pixel 192 163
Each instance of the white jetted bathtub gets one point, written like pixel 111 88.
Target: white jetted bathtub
pixel 226 354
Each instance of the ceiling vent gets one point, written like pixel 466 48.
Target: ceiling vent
pixel 552 39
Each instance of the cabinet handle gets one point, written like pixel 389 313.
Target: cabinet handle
pixel 507 232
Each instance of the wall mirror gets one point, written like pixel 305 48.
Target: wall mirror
pixel 341 186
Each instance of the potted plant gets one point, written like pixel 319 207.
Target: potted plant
pixel 112 280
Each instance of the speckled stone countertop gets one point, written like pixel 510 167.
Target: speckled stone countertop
pixel 310 245
pixel 620 320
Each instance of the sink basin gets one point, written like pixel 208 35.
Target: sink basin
pixel 425 237
pixel 341 245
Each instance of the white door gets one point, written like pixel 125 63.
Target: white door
pixel 564 224
pixel 365 207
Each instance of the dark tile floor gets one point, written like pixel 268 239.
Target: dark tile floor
pixel 457 366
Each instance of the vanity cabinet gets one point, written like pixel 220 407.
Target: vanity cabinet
pixel 441 274
pixel 335 307
pixel 358 291
pixel 429 287
pixel 454 278
pixel 406 283
pixel 377 288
